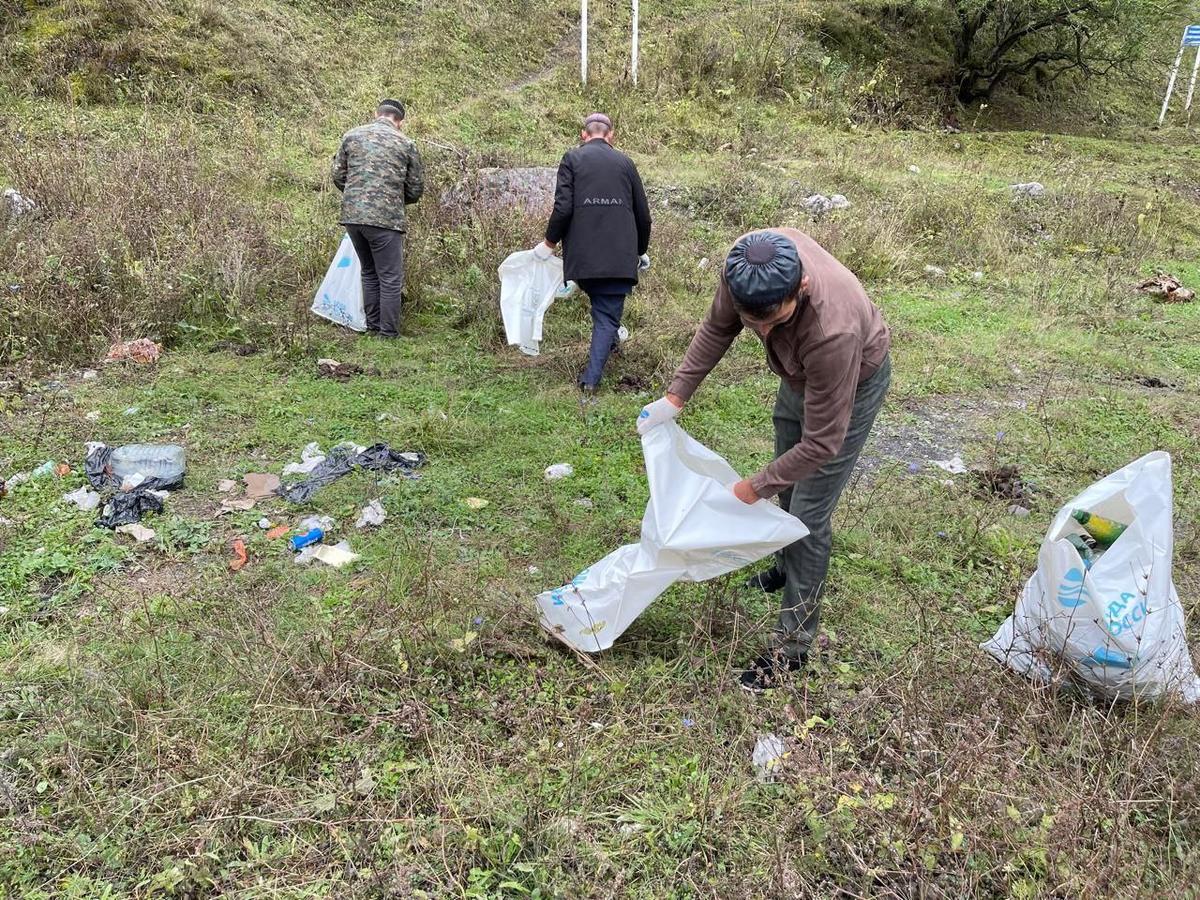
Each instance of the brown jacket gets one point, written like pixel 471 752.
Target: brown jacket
pixel 835 339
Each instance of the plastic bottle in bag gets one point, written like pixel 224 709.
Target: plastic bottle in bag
pixel 1085 551
pixel 1105 531
pixel 165 462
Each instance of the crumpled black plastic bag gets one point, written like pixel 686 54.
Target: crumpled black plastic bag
pixel 127 507
pixel 101 476
pixel 341 461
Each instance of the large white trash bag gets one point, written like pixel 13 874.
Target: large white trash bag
pixel 1118 626
pixel 339 298
pixel 694 529
pixel 527 288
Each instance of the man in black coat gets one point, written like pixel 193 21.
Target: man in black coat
pixel 602 219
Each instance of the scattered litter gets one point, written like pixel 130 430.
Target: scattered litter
pixel 460 645
pixel 916 170
pixel 14 479
pixel 1167 288
pixel 533 570
pixel 128 507
pixel 277 532
pixel 372 515
pixel 935 272
pixel 818 205
pixel 16 204
pixel 139 533
pixel 977 276
pixel 342 459
pixel 585 503
pixel 385 417
pixel 240 557
pixel 954 465
pixel 265 524
pixel 476 502
pixel 1030 190
pixel 93 416
pixel 241 504
pixel 770 751
pixel 162 466
pixel 260 486
pixel 44 470
pixel 331 368
pixel 89 375
pixel 62 470
pixel 84 498
pixel 310 457
pixel 703 264
pixel 325 523
pixel 310 537
pixel 131 411
pixel 143 350
pixel 133 482
pixel 226 485
pixel 622 334
pixel 559 471
pixel 1019 511
pixel 337 555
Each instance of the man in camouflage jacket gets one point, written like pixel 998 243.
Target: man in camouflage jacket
pixel 379 171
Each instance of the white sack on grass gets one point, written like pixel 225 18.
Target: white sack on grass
pixel 694 529
pixel 339 298
pixel 527 288
pixel 1118 626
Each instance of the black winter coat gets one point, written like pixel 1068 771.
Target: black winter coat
pixel 600 213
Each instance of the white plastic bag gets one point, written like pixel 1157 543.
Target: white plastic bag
pixel 527 288
pixel 1118 626
pixel 694 529
pixel 339 298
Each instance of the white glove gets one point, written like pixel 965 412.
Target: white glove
pixel 643 262
pixel 541 252
pixel 656 413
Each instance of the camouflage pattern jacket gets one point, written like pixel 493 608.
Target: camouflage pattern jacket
pixel 378 170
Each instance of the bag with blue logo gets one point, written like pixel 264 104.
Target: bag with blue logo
pixel 339 298
pixel 694 529
pixel 1114 623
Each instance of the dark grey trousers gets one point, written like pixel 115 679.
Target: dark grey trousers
pixel 812 501
pixel 381 254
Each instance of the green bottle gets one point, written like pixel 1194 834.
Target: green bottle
pixel 1085 551
pixel 1105 531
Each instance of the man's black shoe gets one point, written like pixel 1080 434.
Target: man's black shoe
pixel 769 581
pixel 769 671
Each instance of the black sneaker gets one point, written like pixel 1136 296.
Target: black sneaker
pixel 769 671
pixel 768 581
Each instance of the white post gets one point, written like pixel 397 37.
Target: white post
pixel 1192 86
pixel 633 48
pixel 583 30
pixel 1170 83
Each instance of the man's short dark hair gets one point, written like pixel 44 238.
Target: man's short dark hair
pixel 758 313
pixel 390 108
pixel 597 124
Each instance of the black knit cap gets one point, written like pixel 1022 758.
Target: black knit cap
pixel 763 269
pixel 392 106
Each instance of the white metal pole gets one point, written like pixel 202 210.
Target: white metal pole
pixel 1170 83
pixel 1192 86
pixel 583 50
pixel 633 49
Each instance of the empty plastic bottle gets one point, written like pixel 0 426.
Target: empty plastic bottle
pixel 165 462
pixel 1085 551
pixel 300 541
pixel 1105 531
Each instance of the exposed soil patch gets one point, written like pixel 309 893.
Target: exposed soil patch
pixel 1004 482
pixel 931 429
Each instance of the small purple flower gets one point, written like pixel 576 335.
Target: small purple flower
pixel 914 468
pixel 689 723
pixel 942 535
pixel 1000 435
pixel 478 620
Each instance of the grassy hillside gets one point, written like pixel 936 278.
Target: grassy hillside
pixel 170 728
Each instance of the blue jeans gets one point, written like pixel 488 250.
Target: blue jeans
pixel 606 319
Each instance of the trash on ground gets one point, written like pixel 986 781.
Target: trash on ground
pixel 142 350
pixel 131 411
pixel 818 205
pixel 16 205
pixel 226 485
pixel 585 503
pixel 1167 288
pixel 916 170
pixel 954 465
pixel 310 457
pixel 1030 190
pixel 622 334
pixel 331 368
pixel 1021 512
pixel 161 466
pixel 371 516
pixel 935 272
pixel 559 471
pixel 128 507
pixel 259 485
pixel 528 287
pixel 89 374
pixel 339 297
pixel 312 536
pixel 476 502
pixel 62 470
pixel 337 555
pixel 84 498
pixel 533 570
pixel 342 459
pixel 265 524
pixel 694 529
pixel 277 532
pixel 308 523
pixel 139 533
pixel 977 275
pixel 1110 616
pixel 44 470
pixel 240 557
pixel 239 504
pixel 93 416
pixel 770 751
